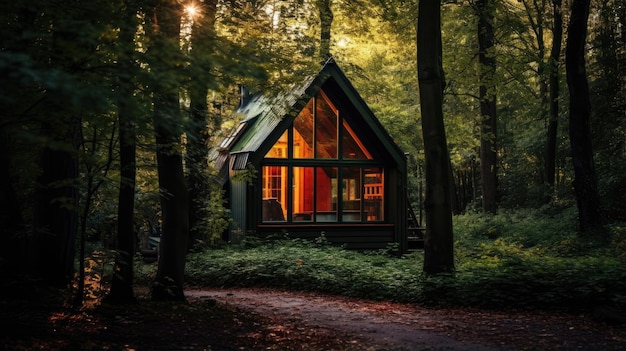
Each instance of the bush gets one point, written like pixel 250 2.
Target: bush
pixel 525 259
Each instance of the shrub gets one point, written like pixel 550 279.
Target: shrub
pixel 530 259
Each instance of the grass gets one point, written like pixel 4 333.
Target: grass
pixel 525 259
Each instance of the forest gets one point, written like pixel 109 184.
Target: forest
pixel 510 111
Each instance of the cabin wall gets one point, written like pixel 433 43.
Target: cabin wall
pixel 352 236
pixel 267 120
pixel 397 211
pixel 238 207
pixel 361 236
pixel 245 204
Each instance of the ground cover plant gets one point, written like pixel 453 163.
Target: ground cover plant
pixel 517 259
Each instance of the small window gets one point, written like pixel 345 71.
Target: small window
pixel 303 192
pixel 326 194
pixel 280 149
pixel 351 195
pixel 373 193
pixel 353 148
pixel 274 193
pixel 325 128
pixel 230 140
pixel 303 132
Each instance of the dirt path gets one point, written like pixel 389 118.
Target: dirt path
pixel 389 326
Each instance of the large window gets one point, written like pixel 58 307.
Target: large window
pixel 305 177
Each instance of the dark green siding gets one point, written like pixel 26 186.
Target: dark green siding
pixel 353 236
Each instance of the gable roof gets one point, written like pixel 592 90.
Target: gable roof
pixel 262 115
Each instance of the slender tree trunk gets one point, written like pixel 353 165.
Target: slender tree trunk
pixel 202 41
pixel 91 189
pixel 487 91
pixel 555 53
pixel 122 282
pixel 585 183
pixel 326 21
pixel 438 245
pixel 172 184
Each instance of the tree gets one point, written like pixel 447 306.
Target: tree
pixel 122 281
pixel 326 21
pixel 555 54
pixel 54 74
pixel 438 245
pixel 203 39
pixel 95 176
pixel 547 70
pixel 14 63
pixel 585 182
pixel 165 60
pixel 11 221
pixel 607 35
pixel 55 228
pixel 487 95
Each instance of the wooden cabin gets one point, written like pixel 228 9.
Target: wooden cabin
pixel 315 161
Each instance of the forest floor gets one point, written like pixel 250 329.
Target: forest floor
pixel 266 319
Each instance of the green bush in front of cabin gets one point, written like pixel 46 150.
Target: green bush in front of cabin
pixel 522 259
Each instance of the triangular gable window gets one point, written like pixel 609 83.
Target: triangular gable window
pixel 297 189
pixel 316 134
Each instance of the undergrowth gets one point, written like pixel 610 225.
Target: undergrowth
pixel 525 259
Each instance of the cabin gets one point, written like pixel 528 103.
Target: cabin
pixel 315 161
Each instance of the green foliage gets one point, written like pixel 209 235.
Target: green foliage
pixel 247 175
pixel 523 259
pixel 59 63
pixel 98 270
pixel 618 240
pixel 303 265
pixel 215 218
pixel 608 108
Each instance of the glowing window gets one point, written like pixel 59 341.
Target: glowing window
pixel 307 181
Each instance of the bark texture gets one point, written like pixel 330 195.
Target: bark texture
pixel 326 21
pixel 202 40
pixel 438 245
pixel 488 114
pixel 122 281
pixel 585 182
pixel 553 122
pixel 172 184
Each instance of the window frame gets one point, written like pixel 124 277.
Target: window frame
pixel 340 162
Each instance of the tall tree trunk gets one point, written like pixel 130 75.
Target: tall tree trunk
pixel 55 227
pixel 202 41
pixel 11 221
pixel 326 21
pixel 122 282
pixel 167 121
pixel 438 245
pixel 487 93
pixel 56 218
pixel 14 244
pixel 585 182
pixel 555 53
